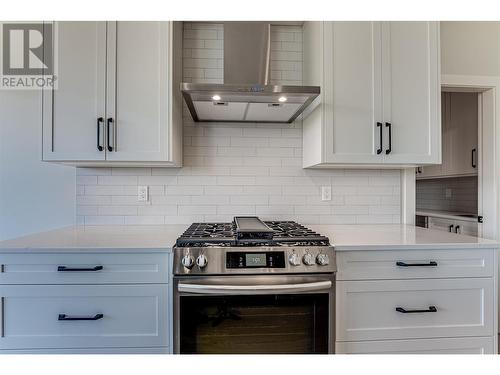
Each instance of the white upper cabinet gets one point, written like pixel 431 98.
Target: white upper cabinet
pixel 122 79
pixel 73 114
pixel 380 101
pixel 411 92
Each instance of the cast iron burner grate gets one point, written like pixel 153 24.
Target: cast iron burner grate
pixel 285 233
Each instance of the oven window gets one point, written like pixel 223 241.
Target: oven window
pixel 264 324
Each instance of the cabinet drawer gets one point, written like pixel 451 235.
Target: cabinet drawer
pixel 366 310
pixel 132 316
pixel 84 268
pixel 468 345
pixel 414 264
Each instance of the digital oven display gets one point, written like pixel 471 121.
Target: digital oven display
pixel 255 260
pixel 270 259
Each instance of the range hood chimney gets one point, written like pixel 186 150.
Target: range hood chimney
pixel 245 95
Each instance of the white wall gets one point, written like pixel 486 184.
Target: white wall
pixel 238 169
pixel 34 196
pixel 470 48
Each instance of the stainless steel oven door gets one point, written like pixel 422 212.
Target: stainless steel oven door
pixel 254 314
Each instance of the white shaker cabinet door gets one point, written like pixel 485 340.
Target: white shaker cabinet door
pixel 138 100
pixel 71 112
pixel 411 92
pixel 84 316
pixel 352 92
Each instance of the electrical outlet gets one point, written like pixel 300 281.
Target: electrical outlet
pixel 447 193
pixel 326 193
pixel 142 193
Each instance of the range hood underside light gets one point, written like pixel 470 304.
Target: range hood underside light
pixel 247 103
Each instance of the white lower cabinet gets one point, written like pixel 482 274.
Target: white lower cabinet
pixel 416 301
pixel 410 309
pixel 123 316
pixel 470 345
pixel 85 302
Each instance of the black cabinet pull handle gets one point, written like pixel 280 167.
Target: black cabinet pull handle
pixel 108 125
pixel 99 122
pixel 379 150
pixel 473 158
pixel 69 269
pixel 457 228
pixel 450 228
pixel 405 311
pixel 389 150
pixel 430 264
pixel 66 317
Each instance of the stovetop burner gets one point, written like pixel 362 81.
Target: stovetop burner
pixel 285 233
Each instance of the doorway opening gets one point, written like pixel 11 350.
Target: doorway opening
pixel 459 194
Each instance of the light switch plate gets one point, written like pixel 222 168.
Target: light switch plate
pixel 142 193
pixel 326 193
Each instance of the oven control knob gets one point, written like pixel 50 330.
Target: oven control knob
pixel 294 259
pixel 201 261
pixel 187 261
pixel 322 259
pixel 308 259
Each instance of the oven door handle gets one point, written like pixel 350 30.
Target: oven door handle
pixel 253 289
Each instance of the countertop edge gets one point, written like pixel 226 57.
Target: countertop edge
pixel 85 250
pixel 441 246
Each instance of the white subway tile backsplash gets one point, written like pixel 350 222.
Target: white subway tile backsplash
pixel 236 151
pixel 156 210
pixel 222 190
pixel 80 190
pixel 117 180
pixel 236 210
pixel 131 171
pixel 275 210
pixel 173 199
pixel 197 210
pixel 235 180
pixel 180 190
pixel 238 169
pixel 155 180
pixel 144 220
pixel 313 209
pixel 86 180
pixel 117 210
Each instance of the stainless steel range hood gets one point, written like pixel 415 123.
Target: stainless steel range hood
pixel 245 95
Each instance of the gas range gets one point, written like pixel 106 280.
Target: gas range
pixel 249 245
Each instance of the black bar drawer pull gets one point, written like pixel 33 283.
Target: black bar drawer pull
pixel 389 150
pixel 404 311
pixel 108 125
pixel 379 150
pixel 99 122
pixel 430 264
pixel 69 269
pixel 66 317
pixel 473 158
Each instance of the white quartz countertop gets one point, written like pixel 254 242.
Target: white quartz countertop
pixel 397 237
pixel 105 237
pixel 446 215
pixel 162 238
